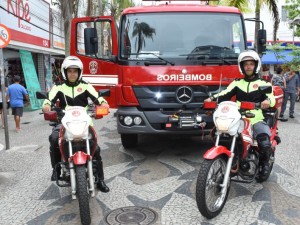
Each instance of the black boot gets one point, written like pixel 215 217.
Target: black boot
pixel 100 184
pixel 54 152
pixel 55 159
pixel 264 145
pixel 55 175
pixel 265 169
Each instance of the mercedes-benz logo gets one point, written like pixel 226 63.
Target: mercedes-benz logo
pixel 184 94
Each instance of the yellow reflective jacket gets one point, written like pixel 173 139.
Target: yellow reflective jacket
pixel 247 90
pixel 74 95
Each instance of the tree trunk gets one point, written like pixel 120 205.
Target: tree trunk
pixel 257 24
pixel 66 8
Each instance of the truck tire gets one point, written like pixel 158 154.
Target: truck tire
pixel 129 140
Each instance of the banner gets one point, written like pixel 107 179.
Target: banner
pixel 48 76
pixel 31 79
pixel 27 20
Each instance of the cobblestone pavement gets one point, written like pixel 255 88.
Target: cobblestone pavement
pixel 159 174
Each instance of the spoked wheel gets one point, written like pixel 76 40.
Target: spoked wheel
pixel 209 199
pixel 83 195
pixel 260 177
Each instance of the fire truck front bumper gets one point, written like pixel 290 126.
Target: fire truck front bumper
pixel 130 120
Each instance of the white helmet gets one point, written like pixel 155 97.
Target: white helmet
pixel 249 55
pixel 71 62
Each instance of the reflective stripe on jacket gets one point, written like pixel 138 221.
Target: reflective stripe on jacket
pixel 247 91
pixel 75 96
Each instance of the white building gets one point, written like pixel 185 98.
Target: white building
pixel 284 33
pixel 35 37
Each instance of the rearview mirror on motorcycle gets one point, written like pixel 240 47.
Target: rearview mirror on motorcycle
pixel 265 89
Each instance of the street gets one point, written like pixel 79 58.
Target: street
pixel 154 182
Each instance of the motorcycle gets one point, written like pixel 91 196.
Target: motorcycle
pixel 235 155
pixel 77 145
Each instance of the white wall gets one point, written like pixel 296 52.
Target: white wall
pixel 284 32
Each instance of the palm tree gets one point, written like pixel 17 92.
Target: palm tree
pixel 141 31
pixel 273 8
pixel 69 9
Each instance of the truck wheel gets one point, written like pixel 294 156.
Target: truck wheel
pixel 129 140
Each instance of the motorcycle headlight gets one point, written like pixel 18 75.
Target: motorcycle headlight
pixel 223 124
pixel 77 128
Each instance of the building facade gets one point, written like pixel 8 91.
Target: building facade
pixel 37 42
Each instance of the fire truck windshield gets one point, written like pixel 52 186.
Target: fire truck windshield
pixel 182 36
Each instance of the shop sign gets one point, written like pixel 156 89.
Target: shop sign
pixel 27 20
pixel 31 78
pixel 58 31
pixel 4 36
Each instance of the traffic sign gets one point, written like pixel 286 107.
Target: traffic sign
pixel 4 36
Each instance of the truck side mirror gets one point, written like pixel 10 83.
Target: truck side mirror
pixel 261 41
pixel 90 41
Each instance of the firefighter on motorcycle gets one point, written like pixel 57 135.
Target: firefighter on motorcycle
pixel 246 89
pixel 73 92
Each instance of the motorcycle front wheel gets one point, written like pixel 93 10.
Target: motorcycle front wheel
pixel 83 195
pixel 209 200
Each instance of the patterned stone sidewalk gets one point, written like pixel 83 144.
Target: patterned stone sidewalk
pixel 160 175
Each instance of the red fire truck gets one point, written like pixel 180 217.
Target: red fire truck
pixel 160 62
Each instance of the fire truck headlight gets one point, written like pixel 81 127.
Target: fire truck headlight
pixel 128 120
pixel 137 120
pixel 158 95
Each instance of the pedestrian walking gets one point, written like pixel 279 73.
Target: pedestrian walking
pixel 298 93
pixel 16 94
pixel 278 79
pixel 292 88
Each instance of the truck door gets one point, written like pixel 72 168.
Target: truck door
pixel 100 68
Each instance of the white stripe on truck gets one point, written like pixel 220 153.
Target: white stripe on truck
pixel 101 79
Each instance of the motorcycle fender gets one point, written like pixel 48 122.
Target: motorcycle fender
pixel 216 151
pixel 80 158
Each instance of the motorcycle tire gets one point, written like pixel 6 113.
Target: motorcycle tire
pixel 260 178
pixel 83 195
pixel 208 190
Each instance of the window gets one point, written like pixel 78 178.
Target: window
pixel 104 38
pixel 180 35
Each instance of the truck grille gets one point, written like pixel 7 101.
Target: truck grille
pixel 172 97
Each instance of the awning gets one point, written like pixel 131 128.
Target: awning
pixel 279 58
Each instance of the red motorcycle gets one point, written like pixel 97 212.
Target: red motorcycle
pixel 235 156
pixel 77 145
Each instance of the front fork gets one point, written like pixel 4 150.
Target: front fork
pixel 89 169
pixel 226 179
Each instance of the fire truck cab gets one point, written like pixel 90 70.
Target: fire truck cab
pixel 160 62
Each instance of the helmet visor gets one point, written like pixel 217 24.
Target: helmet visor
pixel 246 58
